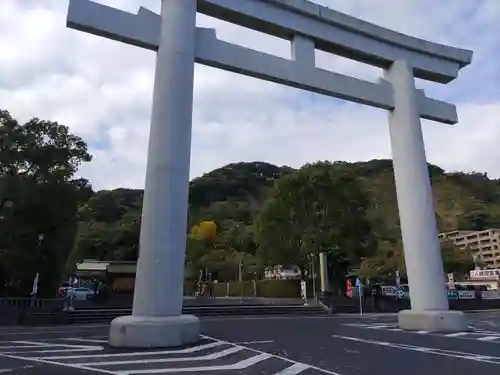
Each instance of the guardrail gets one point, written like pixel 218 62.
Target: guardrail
pixel 19 304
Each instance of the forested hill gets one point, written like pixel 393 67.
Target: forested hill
pixel 242 216
pixel 232 196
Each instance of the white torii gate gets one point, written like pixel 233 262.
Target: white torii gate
pixel 157 318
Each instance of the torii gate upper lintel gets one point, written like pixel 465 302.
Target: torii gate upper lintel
pixel 143 30
pixel 157 320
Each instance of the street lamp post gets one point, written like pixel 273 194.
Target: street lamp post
pixel 40 238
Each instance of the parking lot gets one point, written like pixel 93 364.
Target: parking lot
pixel 284 345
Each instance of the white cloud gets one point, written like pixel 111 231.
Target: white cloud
pixel 102 90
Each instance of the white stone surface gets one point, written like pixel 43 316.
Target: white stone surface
pixel 164 212
pixel 338 33
pixel 433 321
pixel 424 265
pixel 154 332
pixel 156 316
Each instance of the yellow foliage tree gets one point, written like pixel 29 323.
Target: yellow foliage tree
pixel 205 231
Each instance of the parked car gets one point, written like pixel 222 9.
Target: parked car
pixel 78 293
pixel 82 294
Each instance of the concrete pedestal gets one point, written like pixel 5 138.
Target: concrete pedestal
pixel 154 332
pixel 156 319
pixel 433 321
pixel 424 264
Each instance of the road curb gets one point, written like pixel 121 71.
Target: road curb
pixel 481 311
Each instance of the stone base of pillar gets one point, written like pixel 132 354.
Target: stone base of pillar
pixel 433 321
pixel 154 332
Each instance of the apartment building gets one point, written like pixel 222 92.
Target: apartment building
pixel 485 242
pixel 279 271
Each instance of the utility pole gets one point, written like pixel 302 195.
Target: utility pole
pixel 240 270
pixel 313 275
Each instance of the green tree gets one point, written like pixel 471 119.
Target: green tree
pixel 38 201
pixel 455 259
pixel 390 257
pixel 195 250
pixel 387 259
pixel 337 266
pixel 109 227
pixel 309 211
pixel 238 236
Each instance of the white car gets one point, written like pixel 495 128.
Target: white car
pixel 82 294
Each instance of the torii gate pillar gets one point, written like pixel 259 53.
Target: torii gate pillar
pixel 157 319
pixel 430 310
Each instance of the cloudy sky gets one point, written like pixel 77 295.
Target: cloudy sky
pixel 102 90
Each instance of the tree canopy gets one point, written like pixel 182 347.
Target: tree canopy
pixel 315 209
pixel 39 200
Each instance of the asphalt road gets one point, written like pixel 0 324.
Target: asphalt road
pixel 345 345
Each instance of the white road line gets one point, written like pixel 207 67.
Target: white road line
pixel 86 340
pixel 253 342
pixel 294 369
pixel 441 352
pixel 208 357
pixel 10 347
pixel 496 335
pixel 488 338
pixel 41 333
pixel 487 332
pixel 358 325
pixel 73 346
pixel 457 334
pixel 236 366
pixel 57 350
pixel 135 354
pixel 378 326
pixel 35 343
pixel 273 355
pixel 50 328
pixel 8 370
pixel 38 360
pixel 324 317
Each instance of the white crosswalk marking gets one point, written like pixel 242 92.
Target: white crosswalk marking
pixel 473 334
pixel 210 355
pixel 489 338
pixel 294 369
pixel 132 354
pixel 236 366
pixel 87 340
pixel 457 334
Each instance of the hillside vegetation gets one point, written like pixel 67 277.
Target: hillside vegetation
pixel 234 195
pixel 242 216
